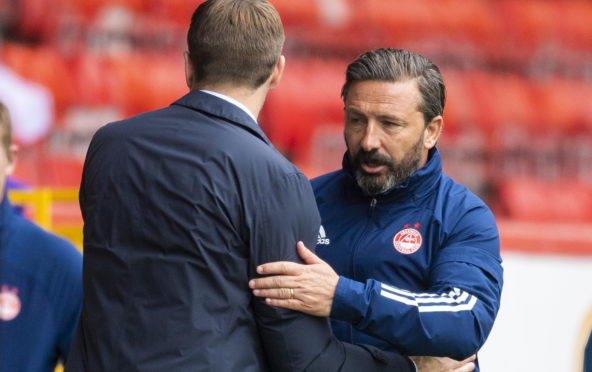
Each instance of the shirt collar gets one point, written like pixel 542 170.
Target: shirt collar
pixel 231 100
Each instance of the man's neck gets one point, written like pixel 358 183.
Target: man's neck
pixel 252 99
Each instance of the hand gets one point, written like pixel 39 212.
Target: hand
pixel 443 364
pixel 307 288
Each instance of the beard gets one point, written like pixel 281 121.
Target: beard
pixel 396 174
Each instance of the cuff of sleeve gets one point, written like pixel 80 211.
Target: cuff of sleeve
pixel 414 365
pixel 349 303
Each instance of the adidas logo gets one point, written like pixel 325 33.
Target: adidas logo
pixel 322 237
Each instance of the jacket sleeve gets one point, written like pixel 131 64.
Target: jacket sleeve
pixel 68 284
pixel 454 316
pixel 293 341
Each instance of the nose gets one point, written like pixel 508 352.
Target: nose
pixel 371 139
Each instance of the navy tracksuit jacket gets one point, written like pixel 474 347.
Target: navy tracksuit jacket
pixel 40 294
pixel 420 264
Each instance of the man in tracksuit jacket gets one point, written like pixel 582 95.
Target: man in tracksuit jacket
pixel 417 254
pixel 40 282
pixel 181 204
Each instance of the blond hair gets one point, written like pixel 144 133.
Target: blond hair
pixel 5 127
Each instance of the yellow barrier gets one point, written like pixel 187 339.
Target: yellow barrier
pixel 42 202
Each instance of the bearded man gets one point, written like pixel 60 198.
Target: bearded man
pixel 414 256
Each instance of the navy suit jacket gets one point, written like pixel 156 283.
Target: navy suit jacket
pixel 180 205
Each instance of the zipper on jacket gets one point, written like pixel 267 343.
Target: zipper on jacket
pixel 356 246
pixel 372 205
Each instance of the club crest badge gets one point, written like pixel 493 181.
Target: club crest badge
pixel 10 304
pixel 407 241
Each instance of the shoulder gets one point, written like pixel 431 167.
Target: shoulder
pixel 42 248
pixel 329 188
pixel 459 208
pixel 459 196
pixel 114 130
pixel 254 158
pixel 327 181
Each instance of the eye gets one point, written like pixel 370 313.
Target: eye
pixel 354 119
pixel 392 122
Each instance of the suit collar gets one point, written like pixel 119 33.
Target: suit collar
pixel 212 105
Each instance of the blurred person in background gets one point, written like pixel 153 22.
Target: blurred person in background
pixel 181 204
pixel 40 282
pixel 31 106
pixel 411 258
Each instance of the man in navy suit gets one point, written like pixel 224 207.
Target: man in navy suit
pixel 181 204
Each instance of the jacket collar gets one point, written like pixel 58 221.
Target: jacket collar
pixel 222 109
pixel 420 183
pixel 5 218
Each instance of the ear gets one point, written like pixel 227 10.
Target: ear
pixel 189 72
pixel 12 153
pixel 278 70
pixel 432 132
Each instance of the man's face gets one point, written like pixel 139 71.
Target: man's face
pixel 385 134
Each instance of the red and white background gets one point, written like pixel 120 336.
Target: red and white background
pixel 518 123
pixel 546 314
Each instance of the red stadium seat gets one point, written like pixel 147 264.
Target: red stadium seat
pixel 502 100
pixel 535 200
pixel 307 97
pixel 460 109
pixel 45 66
pixel 564 104
pixel 92 79
pixel 531 21
pixel 177 11
pixel 468 20
pixel 143 82
pixel 575 24
pixel 301 12
pixel 90 8
pixel 59 171
pixel 35 18
pixel 399 20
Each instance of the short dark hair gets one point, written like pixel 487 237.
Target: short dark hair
pixel 5 127
pixel 393 65
pixel 235 41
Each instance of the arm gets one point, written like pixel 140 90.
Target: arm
pixel 70 297
pixel 322 275
pixel 294 341
pixel 433 364
pixel 453 318
pixel 313 284
pixel 455 315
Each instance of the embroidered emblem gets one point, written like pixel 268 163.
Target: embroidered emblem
pixel 407 241
pixel 10 304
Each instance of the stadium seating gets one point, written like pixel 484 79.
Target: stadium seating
pixel 535 200
pixel 517 74
pixel 308 97
pixel 143 82
pixel 44 65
